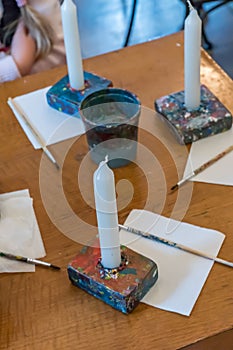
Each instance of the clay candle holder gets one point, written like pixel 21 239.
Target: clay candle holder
pixel 190 125
pixel 67 100
pixel 123 287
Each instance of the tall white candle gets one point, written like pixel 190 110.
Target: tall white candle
pixel 72 44
pixel 107 217
pixel 192 58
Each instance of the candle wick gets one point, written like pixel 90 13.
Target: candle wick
pixel 190 5
pixel 102 163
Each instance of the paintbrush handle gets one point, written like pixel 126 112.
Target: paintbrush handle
pixel 35 133
pixel 213 160
pixel 204 255
pixel 175 245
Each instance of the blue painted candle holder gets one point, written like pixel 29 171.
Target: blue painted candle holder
pixel 123 287
pixel 191 125
pixel 67 100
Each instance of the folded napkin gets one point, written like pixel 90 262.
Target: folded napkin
pixel 181 274
pixel 19 231
pixel 52 126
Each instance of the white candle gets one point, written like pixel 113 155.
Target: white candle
pixel 107 218
pixel 72 44
pixel 192 58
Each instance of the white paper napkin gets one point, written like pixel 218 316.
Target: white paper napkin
pixel 52 126
pixel 203 150
pixel 19 231
pixel 181 274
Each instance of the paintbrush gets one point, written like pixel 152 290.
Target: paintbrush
pixel 28 260
pixel 175 245
pixel 202 167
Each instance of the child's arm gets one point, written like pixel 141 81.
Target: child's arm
pixel 21 58
pixel 23 49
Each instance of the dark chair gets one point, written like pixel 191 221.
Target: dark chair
pixel 198 5
pixel 130 23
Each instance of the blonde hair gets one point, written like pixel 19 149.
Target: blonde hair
pixel 39 29
pixel 37 26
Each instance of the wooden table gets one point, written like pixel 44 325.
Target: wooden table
pixel 42 310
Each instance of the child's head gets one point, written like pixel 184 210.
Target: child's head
pixel 36 25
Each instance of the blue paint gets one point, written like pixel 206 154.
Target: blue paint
pixel 64 99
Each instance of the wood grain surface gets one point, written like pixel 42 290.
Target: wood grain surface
pixel 42 310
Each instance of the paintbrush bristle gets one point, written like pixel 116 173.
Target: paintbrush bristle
pixel 174 187
pixel 55 267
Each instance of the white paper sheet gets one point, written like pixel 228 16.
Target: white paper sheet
pixel 19 231
pixel 203 150
pixel 53 126
pixel 181 274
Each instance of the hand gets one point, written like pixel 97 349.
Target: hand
pixel 23 49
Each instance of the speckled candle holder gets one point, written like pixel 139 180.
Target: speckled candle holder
pixel 188 126
pixel 67 100
pixel 123 287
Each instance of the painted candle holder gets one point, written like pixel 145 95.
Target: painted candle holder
pixel 188 126
pixel 123 287
pixel 67 100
